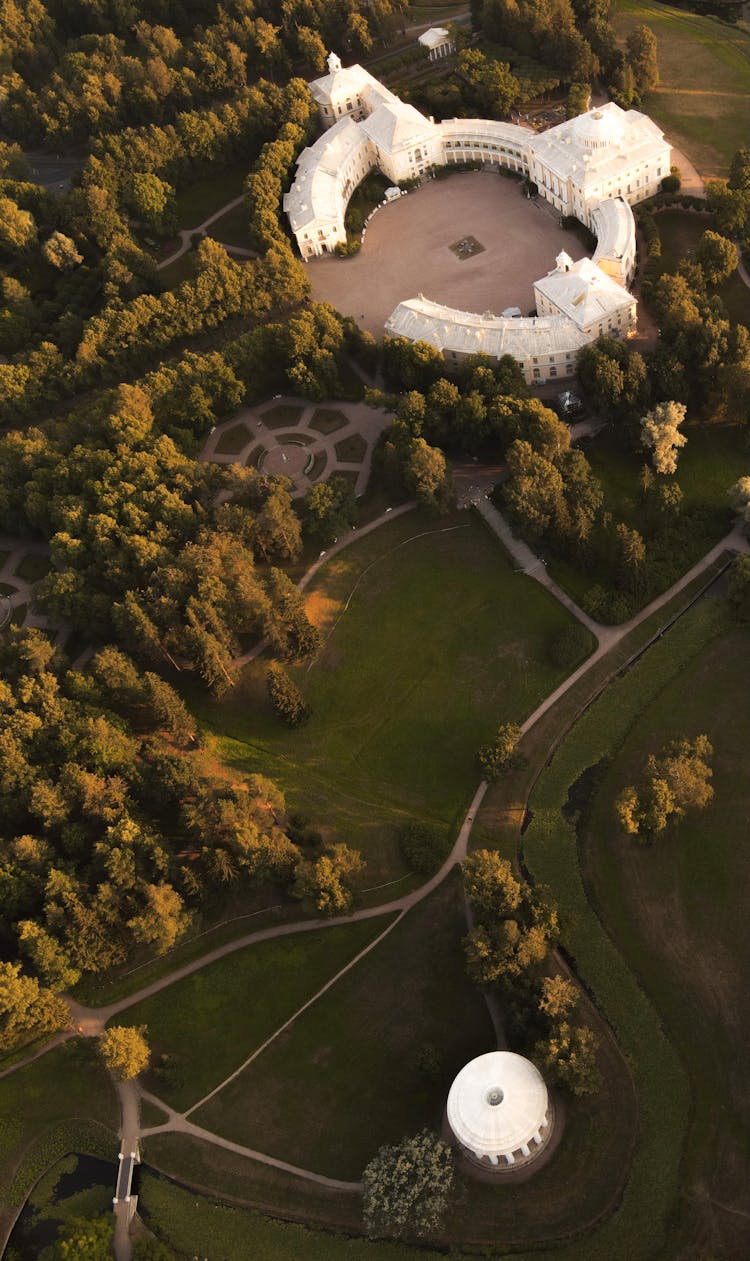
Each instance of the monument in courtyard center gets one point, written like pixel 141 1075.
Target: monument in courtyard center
pixel 593 167
pixel 499 1112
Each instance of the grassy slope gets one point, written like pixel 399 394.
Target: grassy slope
pixel 347 1066
pixel 46 1110
pixel 639 1228
pixel 214 1019
pixel 188 1223
pixel 703 101
pixel 440 642
pixel 678 911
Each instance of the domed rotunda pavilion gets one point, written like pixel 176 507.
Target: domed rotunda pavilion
pixel 499 1111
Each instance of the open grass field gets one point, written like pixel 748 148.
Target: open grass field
pixel 678 911
pixel 187 1223
pixel 47 1109
pixel 642 1226
pixel 703 100
pixel 182 268
pixel 711 461
pixel 210 1022
pixel 680 232
pixel 200 200
pixel 232 228
pixel 346 1078
pixel 430 640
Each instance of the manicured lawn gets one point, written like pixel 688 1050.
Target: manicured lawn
pixel 351 450
pixel 327 420
pixel 231 228
pixel 349 1065
pixel 711 461
pixel 233 439
pixel 33 567
pixel 439 642
pixel 182 269
pixel 703 100
pixel 677 910
pixel 345 1078
pixel 202 199
pixel 680 232
pixel 211 1021
pixel 47 1109
pixel 282 416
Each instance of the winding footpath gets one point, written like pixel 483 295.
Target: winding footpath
pixel 90 1022
pixel 186 236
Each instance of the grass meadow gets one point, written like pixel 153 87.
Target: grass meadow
pixel 680 232
pixel 714 457
pixel 430 641
pixel 63 1102
pixel 643 1225
pixel 677 911
pixel 346 1077
pixel 703 99
pixel 210 1022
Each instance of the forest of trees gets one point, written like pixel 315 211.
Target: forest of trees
pixel 118 827
pixel 115 829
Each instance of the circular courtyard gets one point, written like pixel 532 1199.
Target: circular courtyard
pixel 472 241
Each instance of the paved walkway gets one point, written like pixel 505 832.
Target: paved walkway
pixel 130 1107
pixel 529 563
pixel 607 636
pixel 186 236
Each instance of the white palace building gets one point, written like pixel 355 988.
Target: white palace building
pixel 594 167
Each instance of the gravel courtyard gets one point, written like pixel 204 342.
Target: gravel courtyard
pixel 407 251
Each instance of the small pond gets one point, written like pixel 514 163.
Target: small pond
pixel 75 1186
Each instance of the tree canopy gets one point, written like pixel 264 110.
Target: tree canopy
pixel 672 783
pixel 408 1186
pixel 124 1050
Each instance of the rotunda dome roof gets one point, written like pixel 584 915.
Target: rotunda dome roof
pixel 598 128
pixel 497 1103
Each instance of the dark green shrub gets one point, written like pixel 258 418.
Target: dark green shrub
pixel 424 846
pixel 570 646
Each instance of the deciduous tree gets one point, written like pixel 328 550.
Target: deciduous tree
pixel 660 433
pixel 408 1186
pixel 717 257
pixel 27 1010
pixel 502 754
pixel 326 882
pixel 124 1050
